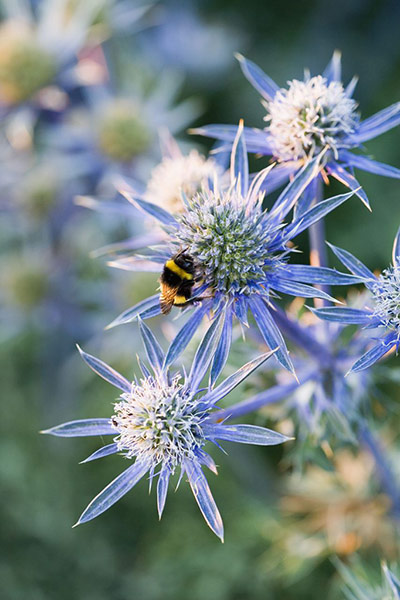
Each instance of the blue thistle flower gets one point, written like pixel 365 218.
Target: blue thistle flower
pixel 242 251
pixel 308 116
pixel 384 312
pixel 163 423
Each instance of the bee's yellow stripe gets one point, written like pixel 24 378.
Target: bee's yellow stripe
pixel 172 266
pixel 180 300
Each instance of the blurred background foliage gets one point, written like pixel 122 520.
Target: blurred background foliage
pixel 282 528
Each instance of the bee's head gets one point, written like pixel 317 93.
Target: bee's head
pixel 184 260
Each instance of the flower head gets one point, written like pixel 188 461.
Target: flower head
pixel 384 310
pixel 25 66
pixel 175 175
pixel 386 299
pixel 308 116
pixel 163 422
pixel 305 118
pixel 231 240
pixel 122 132
pixel 241 252
pixel 158 421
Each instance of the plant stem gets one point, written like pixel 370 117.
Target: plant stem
pixel 383 468
pixel 273 394
pixel 316 235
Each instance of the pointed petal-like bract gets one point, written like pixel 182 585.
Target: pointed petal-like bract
pixel 119 208
pixel 294 288
pixel 222 352
pixel 373 355
pixel 270 332
pixel 136 264
pixel 354 265
pixel 392 580
pixel 343 314
pixel 339 173
pixel 205 351
pixel 153 349
pixel 241 308
pixel 316 213
pixel 151 209
pixel 306 200
pixel 185 334
pixel 279 175
pixel 368 164
pixel 139 309
pixel 239 162
pixel 320 275
pixel 258 79
pixel 333 71
pixel 82 428
pixel 351 86
pixel 114 491
pixel 396 249
pixel 244 434
pixel 288 198
pixel 257 140
pixel 162 489
pixel 379 123
pixel 207 461
pixel 106 372
pixel 202 493
pixel 235 379
pixel 102 452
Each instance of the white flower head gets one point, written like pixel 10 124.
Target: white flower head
pixel 158 423
pixel 179 174
pixel 386 293
pixel 308 116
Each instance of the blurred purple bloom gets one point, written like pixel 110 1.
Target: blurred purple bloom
pixel 324 401
pixel 118 132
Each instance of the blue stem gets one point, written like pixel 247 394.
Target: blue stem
pixel 316 234
pixel 301 337
pixel 383 468
pixel 274 394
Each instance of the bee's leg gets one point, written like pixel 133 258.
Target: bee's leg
pixel 192 301
pixel 181 251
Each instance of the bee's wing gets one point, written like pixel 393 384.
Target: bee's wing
pixel 167 297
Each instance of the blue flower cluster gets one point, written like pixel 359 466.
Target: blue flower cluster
pixel 239 246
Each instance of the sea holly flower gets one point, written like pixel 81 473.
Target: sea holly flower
pixel 384 310
pixel 242 253
pixel 305 118
pixel 163 421
pixel 176 175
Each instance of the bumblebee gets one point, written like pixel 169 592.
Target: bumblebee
pixel 177 281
